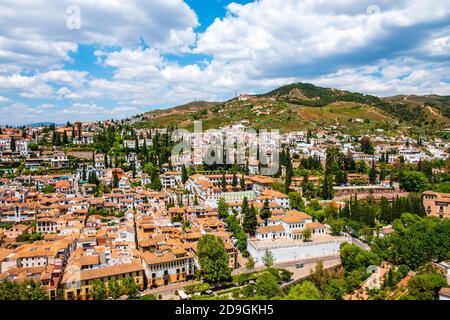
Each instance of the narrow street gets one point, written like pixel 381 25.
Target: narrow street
pixel 168 292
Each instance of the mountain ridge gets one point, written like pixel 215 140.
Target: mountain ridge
pixel 298 104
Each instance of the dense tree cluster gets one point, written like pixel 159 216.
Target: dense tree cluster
pixel 114 289
pixel 415 241
pixel 213 259
pixel 24 290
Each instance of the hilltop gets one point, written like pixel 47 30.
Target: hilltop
pixel 301 105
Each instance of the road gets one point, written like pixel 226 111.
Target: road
pixel 168 292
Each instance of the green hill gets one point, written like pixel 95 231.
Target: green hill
pixel 301 105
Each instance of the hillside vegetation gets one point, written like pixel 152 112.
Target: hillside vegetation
pixel 301 105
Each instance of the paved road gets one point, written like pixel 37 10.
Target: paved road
pixel 168 292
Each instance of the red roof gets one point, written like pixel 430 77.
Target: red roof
pixel 62 184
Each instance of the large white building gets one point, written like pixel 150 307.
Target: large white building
pixel 294 250
pixel 283 236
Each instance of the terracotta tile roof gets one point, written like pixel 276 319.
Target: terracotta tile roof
pixel 314 225
pixel 270 229
pixel 295 216
pixel 96 273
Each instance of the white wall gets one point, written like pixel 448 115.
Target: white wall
pixel 298 252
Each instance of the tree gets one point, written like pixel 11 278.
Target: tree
pixel 327 186
pixel 425 286
pixel 83 174
pixel 307 233
pixel 36 236
pixel 13 144
pixel 415 241
pixel 250 264
pixel 222 208
pixel 93 178
pixel 373 173
pixel 307 187
pixel 195 200
pixel 354 278
pixel 130 287
pixel 265 212
pixel 268 258
pixel 98 290
pixel 267 286
pixel 337 226
pixel 234 226
pixel 23 290
pixel 361 166
pixel 366 145
pixel 213 259
pixel 223 182
pixel 335 288
pixel 341 177
pixel 156 184
pixel 413 181
pixel 136 145
pixel 184 174
pixel 234 182
pixel 114 289
pixel 250 221
pixel 133 169
pixel 288 180
pixel 65 139
pixel 244 207
pixel 353 257
pixel 296 201
pixel 304 291
pixel 115 179
pixel 320 276
pixel 242 182
pixel 383 174
pixel 106 161
pixel 56 139
pixel 50 188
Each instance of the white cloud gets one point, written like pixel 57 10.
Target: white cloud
pixel 15 81
pixel 70 77
pixel 401 76
pixel 279 36
pixel 30 29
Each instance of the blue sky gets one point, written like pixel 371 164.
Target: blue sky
pixel 129 57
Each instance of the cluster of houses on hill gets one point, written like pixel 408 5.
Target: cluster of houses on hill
pixel 57 229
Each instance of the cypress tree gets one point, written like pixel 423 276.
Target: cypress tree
pixel 249 224
pixel 265 211
pixel 234 182
pixel 373 173
pixel 242 183
pixel 13 144
pixel 184 174
pixel 224 182
pixel 65 138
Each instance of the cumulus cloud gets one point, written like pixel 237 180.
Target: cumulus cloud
pixel 71 77
pixel 33 29
pixel 299 38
